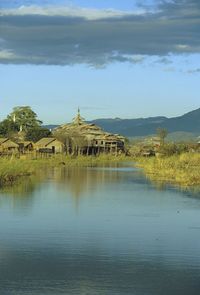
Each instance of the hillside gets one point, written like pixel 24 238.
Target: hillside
pixel 189 123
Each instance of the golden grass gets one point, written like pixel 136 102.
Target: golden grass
pixel 11 169
pixel 181 169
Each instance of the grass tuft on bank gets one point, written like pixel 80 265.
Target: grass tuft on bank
pixel 11 169
pixel 181 169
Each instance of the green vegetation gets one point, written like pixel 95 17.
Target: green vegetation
pixel 183 169
pixel 22 124
pixel 12 169
pixel 36 133
pixel 24 118
pixel 8 128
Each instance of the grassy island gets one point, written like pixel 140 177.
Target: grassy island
pixel 181 169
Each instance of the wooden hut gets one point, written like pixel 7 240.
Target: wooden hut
pixel 49 145
pixel 86 138
pixel 26 147
pixel 8 147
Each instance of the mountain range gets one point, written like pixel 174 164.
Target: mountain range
pixel 185 126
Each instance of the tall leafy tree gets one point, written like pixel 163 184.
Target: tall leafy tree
pixel 24 118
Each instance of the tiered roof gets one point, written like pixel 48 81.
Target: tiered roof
pixel 87 130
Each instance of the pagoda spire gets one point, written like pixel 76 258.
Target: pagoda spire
pixel 78 120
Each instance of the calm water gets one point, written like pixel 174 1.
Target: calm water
pixel 104 231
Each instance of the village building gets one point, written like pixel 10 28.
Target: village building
pixel 8 147
pixel 85 138
pixel 49 145
pixel 26 147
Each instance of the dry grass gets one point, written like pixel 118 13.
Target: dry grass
pixel 11 169
pixel 181 169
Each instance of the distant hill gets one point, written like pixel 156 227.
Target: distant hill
pixel 131 127
pixel 186 126
pixel 50 127
pixel 182 136
pixel 189 123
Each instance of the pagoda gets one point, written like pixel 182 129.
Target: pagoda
pixel 78 120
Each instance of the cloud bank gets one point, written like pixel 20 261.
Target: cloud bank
pixel 71 35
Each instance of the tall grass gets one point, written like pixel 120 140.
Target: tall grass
pixel 181 169
pixel 11 169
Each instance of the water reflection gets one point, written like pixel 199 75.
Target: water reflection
pixel 162 185
pixel 100 230
pixel 76 180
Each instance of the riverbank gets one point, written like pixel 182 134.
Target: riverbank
pixel 11 169
pixel 181 169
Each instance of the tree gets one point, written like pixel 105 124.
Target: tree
pixel 36 133
pixel 24 118
pixel 162 134
pixel 7 128
pixel 65 138
pixel 73 141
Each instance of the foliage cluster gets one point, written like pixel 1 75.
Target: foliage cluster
pixel 23 120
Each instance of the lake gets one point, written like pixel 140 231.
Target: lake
pixel 98 231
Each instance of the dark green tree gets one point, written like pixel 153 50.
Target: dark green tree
pixel 36 133
pixel 7 128
pixel 24 118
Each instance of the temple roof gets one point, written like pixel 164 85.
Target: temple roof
pixel 78 120
pixel 87 130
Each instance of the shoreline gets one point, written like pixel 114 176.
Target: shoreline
pixel 11 169
pixel 182 170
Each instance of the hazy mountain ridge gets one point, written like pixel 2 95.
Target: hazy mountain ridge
pixel 188 123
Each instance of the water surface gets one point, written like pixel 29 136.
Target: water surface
pixel 98 231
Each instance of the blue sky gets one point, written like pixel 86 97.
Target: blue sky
pixel 110 58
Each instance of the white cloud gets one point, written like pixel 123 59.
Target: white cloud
pixel 69 11
pixel 7 55
pixel 183 47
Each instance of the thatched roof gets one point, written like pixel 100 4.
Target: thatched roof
pixel 90 131
pixel 46 141
pixel 26 143
pixel 6 143
pixel 2 140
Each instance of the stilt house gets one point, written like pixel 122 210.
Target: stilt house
pixel 84 138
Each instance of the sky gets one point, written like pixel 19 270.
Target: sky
pixel 111 58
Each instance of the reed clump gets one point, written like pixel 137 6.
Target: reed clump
pixel 13 168
pixel 181 169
